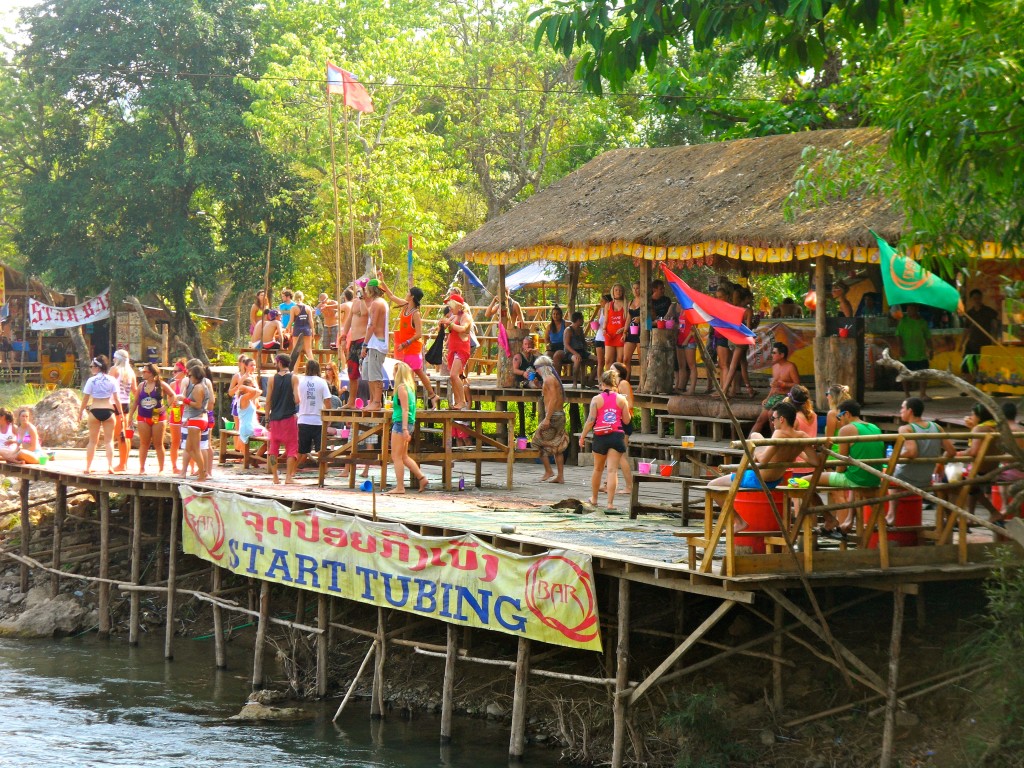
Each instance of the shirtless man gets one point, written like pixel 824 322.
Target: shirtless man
pixel 375 348
pixel 459 323
pixel 344 311
pixel 551 437
pixel 328 309
pixel 512 309
pixel 785 376
pixel 783 416
pixel 267 334
pixel 354 331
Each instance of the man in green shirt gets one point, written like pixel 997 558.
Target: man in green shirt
pixel 916 340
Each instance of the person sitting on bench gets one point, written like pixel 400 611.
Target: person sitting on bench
pixel 783 418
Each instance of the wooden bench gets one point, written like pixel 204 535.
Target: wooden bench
pixel 683 508
pixel 227 450
pixel 717 426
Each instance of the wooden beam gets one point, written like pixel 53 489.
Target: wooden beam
pixel 322 616
pixel 636 693
pixel 820 339
pixel 448 686
pixel 26 531
pixel 892 689
pixel 517 741
pixel 260 646
pixel 59 515
pixel 620 706
pixel 172 573
pixel 104 569
pixel 219 651
pixel 135 598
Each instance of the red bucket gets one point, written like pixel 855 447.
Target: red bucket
pixel 908 512
pixel 756 511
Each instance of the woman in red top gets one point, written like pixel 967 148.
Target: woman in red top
pixel 409 337
pixel 615 326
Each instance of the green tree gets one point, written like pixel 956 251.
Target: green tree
pixel 149 128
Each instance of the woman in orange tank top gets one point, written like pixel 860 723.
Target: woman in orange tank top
pixel 409 338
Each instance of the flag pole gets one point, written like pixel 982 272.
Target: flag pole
pixel 348 185
pixel 337 214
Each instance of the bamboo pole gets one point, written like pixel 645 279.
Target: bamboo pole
pixel 219 649
pixel 348 192
pixel 136 567
pixel 440 653
pixel 158 572
pixel 778 698
pixel 517 741
pixel 172 572
pixel 26 523
pixel 261 636
pixel 448 686
pixel 337 214
pixel 322 611
pixel 59 515
pixel 620 706
pixel 104 569
pixel 355 680
pixel 889 730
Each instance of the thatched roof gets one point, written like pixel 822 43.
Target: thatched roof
pixel 680 203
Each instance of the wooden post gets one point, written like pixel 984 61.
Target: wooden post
pixel 448 686
pixel 820 339
pixel 261 636
pixel 26 527
pixel 889 731
pixel 778 700
pixel 620 707
pixel 158 573
pixel 104 590
pixel 377 695
pixel 660 358
pixel 517 743
pixel 322 611
pixel 504 369
pixel 135 598
pixel 172 575
pixel 219 650
pixel 645 319
pixel 574 286
pixel 59 514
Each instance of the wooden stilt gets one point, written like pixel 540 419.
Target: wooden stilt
pixel 104 588
pixel 891 697
pixel 322 610
pixel 355 680
pixel 159 564
pixel 172 574
pixel 331 618
pixel 261 636
pixel 620 708
pixel 219 649
pixel 777 694
pixel 59 514
pixel 919 604
pixel 26 532
pixel 135 598
pixel 448 686
pixel 377 697
pixel 517 742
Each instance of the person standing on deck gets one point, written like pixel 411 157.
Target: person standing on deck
pixel 409 338
pixel 302 330
pixel 459 323
pixel 283 401
pixel 354 331
pixel 551 438
pixel 314 396
pixel 608 411
pixel 375 348
pixel 916 344
pixel 327 308
pixel 785 376
pixel 977 333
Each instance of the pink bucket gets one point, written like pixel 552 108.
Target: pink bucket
pixel 521 444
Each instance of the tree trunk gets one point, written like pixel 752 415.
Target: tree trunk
pixel 147 329
pixel 84 357
pixel 185 329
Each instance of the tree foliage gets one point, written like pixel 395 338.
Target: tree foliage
pixel 147 129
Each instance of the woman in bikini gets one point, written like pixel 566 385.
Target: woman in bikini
pixel 403 421
pixel 633 321
pixel 459 323
pixel 259 305
pixel 615 326
pixel 99 398
pixel 29 446
pixel 194 404
pixel 608 411
pixel 150 402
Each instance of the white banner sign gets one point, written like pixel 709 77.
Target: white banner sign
pixel 43 317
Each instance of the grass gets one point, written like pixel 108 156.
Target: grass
pixel 16 395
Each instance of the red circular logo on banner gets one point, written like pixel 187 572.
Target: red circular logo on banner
pixel 556 589
pixel 207 525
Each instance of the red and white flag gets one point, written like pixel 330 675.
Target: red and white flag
pixel 352 91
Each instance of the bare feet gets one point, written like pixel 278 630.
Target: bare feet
pixel 559 480
pixel 424 482
pixel 293 481
pixel 398 490
pixel 546 476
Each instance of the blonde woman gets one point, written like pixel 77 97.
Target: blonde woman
pixel 151 400
pixel 403 420
pixel 99 398
pixel 127 385
pixel 836 394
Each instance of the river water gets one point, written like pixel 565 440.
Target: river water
pixel 87 703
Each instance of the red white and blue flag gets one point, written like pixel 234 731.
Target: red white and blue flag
pixel 352 91
pixel 698 308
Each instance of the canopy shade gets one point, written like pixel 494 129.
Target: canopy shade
pixel 686 203
pixel 536 274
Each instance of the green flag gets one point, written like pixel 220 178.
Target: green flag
pixel 907 282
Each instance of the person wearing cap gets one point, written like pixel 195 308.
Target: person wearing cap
pixel 409 337
pixel 459 323
pixel 785 376
pixel 375 349
pixel 551 438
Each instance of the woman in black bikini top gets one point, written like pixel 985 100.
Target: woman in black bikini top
pixel 99 396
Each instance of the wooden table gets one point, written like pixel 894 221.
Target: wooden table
pixel 431 425
pixel 717 425
pixel 361 426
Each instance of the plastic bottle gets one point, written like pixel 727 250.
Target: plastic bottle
pixel 462 482
pixel 888 451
